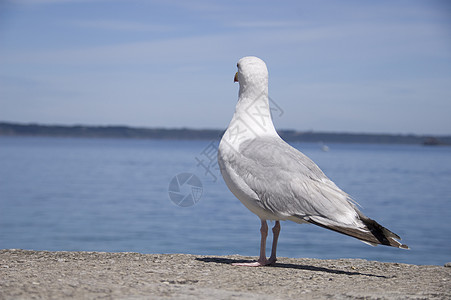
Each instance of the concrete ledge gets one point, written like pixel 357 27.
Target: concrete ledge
pixel 87 275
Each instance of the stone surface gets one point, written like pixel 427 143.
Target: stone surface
pixel 87 275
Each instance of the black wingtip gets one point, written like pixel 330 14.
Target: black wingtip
pixel 383 235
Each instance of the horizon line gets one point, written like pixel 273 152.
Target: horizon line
pixel 213 129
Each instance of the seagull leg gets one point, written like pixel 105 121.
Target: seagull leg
pixel 262 261
pixel 275 232
pixel 264 233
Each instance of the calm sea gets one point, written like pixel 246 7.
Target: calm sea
pixel 112 195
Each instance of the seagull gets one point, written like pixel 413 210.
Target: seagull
pixel 276 181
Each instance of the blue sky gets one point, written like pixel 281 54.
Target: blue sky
pixel 354 66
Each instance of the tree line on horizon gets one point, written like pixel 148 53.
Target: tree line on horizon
pixel 15 129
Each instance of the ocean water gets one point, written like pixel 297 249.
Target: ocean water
pixel 77 194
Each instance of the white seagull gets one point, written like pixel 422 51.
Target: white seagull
pixel 277 182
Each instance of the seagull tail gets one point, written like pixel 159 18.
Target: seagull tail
pixel 373 233
pixel 383 235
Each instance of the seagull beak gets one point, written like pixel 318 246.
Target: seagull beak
pixel 236 77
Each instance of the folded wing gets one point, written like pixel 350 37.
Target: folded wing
pixel 291 186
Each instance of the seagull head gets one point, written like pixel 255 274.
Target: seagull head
pixel 252 72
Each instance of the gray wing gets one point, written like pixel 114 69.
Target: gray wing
pixel 288 183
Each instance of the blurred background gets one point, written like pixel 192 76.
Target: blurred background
pixel 348 66
pixel 381 66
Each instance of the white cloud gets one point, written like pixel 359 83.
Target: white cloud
pixel 206 47
pixel 116 25
pixel 39 2
pixel 265 24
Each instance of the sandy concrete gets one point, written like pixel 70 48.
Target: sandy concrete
pixel 89 275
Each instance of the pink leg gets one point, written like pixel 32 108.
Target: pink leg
pixel 262 261
pixel 264 235
pixel 275 232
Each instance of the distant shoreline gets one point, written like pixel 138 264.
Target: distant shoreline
pixel 18 129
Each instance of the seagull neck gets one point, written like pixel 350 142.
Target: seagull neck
pixel 253 112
